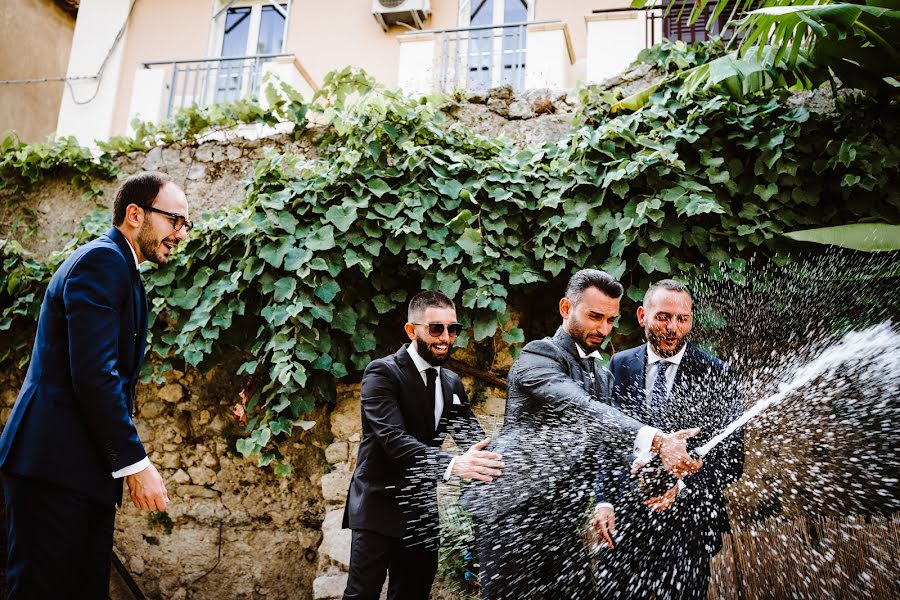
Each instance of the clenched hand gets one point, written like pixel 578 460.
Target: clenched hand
pixel 148 490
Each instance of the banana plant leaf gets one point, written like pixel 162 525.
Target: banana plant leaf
pixel 867 237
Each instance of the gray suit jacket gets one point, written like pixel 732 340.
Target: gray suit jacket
pixel 551 433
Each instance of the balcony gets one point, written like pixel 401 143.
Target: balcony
pixel 161 88
pixel 526 55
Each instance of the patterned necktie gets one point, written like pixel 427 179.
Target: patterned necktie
pixel 658 393
pixel 430 391
pixel 590 385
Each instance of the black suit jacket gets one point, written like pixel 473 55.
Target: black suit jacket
pixel 71 424
pixel 394 487
pixel 704 394
pixel 551 432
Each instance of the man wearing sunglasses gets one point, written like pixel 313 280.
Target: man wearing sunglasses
pixel 409 404
pixel 70 440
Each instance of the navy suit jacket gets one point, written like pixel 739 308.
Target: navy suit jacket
pixel 71 424
pixel 394 487
pixel 704 394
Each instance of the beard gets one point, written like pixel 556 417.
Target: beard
pixel 663 353
pixel 580 335
pixel 425 351
pixel 149 244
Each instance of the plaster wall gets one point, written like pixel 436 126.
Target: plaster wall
pixel 42 32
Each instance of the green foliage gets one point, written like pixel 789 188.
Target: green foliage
pixel 457 558
pixel 22 165
pixel 191 123
pixel 304 274
pixel 162 519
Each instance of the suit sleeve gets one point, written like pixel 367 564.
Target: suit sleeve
pixel 93 296
pixel 725 463
pixel 380 389
pixel 543 379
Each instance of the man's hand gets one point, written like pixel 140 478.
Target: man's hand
pixel 148 490
pixel 604 522
pixel 478 463
pixel 672 451
pixel 661 503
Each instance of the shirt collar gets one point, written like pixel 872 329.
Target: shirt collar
pixel 421 363
pixel 134 254
pixel 653 357
pixel 583 354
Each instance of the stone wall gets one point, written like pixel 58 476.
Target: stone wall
pixel 234 530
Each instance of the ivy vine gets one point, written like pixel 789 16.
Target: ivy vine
pixel 303 275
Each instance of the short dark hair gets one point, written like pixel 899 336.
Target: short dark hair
pixel 425 300
pixel 141 190
pixel 667 284
pixel 587 278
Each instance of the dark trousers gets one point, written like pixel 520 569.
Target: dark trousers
pixel 373 556
pixel 59 542
pixel 653 563
pixel 535 554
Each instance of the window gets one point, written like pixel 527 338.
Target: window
pixel 248 29
pixel 496 55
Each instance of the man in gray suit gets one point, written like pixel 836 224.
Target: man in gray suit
pixel 557 415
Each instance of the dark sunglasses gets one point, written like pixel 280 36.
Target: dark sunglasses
pixel 437 329
pixel 178 221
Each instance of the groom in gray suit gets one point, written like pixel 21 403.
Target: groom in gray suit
pixel 557 415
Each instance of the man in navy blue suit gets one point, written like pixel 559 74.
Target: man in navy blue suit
pixel 661 547
pixel 70 440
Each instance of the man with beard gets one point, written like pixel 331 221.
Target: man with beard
pixel 528 523
pixel 409 403
pixel 661 546
pixel 70 440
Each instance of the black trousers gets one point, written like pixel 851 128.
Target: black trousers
pixel 651 562
pixel 59 542
pixel 373 556
pixel 533 553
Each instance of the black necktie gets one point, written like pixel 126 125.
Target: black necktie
pixel 589 383
pixel 430 390
pixel 658 393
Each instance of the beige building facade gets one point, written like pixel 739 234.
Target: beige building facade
pixel 154 56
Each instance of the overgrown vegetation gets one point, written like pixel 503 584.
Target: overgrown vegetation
pixel 306 272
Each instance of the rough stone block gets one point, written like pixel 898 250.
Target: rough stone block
pixel 335 546
pixel 326 587
pixel 336 453
pixel 345 418
pixel 202 475
pixel 171 393
pixel 335 485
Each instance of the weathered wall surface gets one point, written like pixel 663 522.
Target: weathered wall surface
pixel 236 531
pixel 42 31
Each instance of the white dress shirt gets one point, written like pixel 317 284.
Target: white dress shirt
pixel 144 462
pixel 645 435
pixel 653 360
pixel 423 365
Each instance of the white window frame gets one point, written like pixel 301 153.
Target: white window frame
pixel 217 26
pixel 464 19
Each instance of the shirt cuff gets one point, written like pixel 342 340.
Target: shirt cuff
pixel 449 470
pixel 132 469
pixel 603 505
pixel 643 442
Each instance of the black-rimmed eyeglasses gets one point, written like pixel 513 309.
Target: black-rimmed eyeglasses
pixel 437 329
pixel 178 221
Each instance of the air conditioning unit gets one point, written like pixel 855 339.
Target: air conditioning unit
pixel 407 12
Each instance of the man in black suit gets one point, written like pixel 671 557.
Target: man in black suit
pixel 661 546
pixel 409 403
pixel 70 441
pixel 528 523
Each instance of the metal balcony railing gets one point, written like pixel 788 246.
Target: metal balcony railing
pixel 481 57
pixel 206 81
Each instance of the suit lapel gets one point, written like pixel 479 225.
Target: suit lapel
pixel 423 423
pixel 635 367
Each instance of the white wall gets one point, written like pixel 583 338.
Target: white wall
pixel 87 111
pixel 614 40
